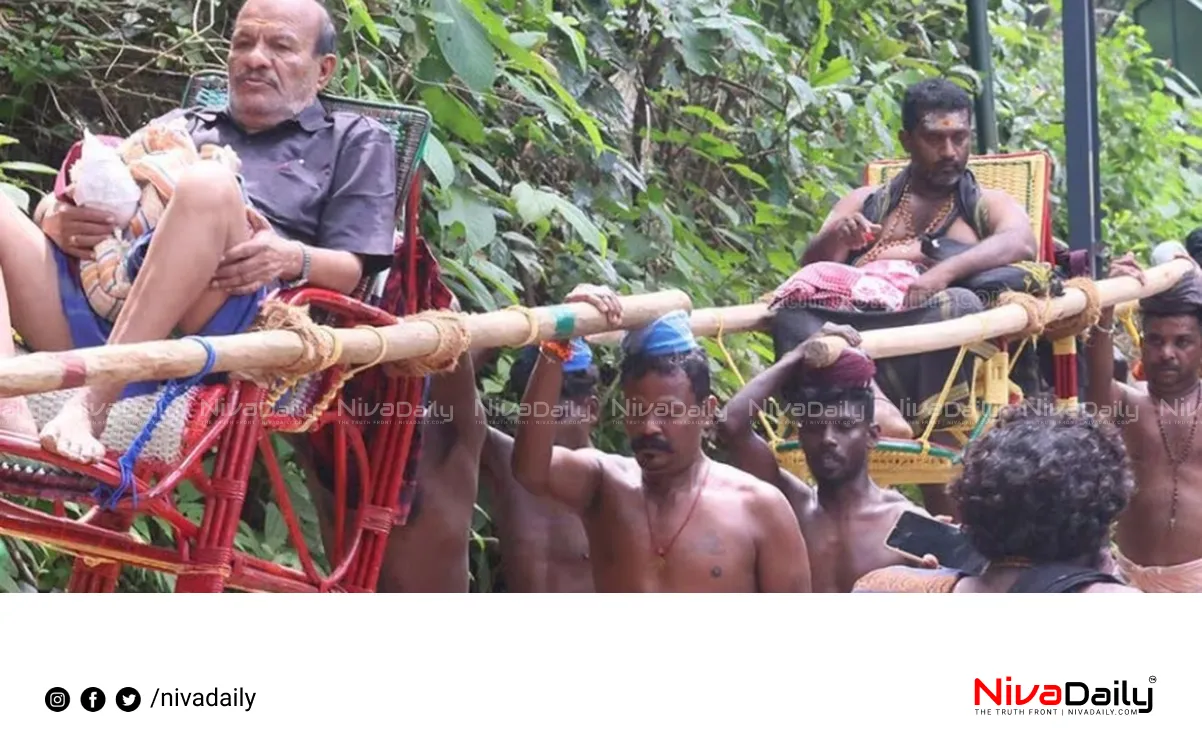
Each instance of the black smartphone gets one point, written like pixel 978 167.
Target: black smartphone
pixel 916 535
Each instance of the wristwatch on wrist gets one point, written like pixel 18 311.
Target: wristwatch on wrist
pixel 306 264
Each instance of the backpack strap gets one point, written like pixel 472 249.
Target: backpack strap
pixel 1059 578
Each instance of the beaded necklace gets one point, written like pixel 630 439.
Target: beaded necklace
pixel 905 213
pixel 1177 460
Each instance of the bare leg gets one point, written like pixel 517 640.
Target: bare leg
pixel 206 216
pixel 14 411
pixel 31 288
pixel 31 303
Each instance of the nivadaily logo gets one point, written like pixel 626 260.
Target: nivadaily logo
pixel 1064 698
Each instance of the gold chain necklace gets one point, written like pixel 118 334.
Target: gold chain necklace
pixel 905 211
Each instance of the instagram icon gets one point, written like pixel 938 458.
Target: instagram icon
pixel 57 699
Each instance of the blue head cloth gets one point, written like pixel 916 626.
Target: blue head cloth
pixel 582 356
pixel 669 335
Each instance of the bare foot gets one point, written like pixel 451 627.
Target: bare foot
pixel 75 432
pixel 15 418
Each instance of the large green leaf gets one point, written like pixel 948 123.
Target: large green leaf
pixel 567 26
pixel 464 44
pixel 474 214
pixel 361 19
pixel 275 529
pixel 713 117
pixel 16 195
pixel 494 275
pixel 454 115
pixel 7 584
pixel 439 161
pixel 836 72
pixel 28 168
pixel 485 169
pixel 555 114
pixel 479 292
pixel 582 224
pixel 532 204
pixel 821 39
pixel 544 70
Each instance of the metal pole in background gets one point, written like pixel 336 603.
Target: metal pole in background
pixel 1081 131
pixel 1096 141
pixel 980 46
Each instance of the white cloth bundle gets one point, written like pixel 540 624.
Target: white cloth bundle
pixel 103 181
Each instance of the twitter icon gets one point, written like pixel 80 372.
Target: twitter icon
pixel 128 699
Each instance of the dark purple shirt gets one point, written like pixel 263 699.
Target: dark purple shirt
pixel 325 179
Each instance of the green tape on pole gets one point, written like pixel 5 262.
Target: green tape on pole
pixel 565 323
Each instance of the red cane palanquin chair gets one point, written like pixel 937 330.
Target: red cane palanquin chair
pixel 376 458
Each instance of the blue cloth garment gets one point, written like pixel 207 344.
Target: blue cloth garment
pixel 89 329
pixel 582 357
pixel 669 335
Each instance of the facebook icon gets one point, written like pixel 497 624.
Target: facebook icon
pixel 92 699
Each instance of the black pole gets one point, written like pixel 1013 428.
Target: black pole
pixel 1081 131
pixel 980 46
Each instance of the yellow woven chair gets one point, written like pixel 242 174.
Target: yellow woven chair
pixel 1026 176
pixel 905 461
pixel 919 461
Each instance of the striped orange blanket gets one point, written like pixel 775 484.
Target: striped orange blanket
pixel 156 156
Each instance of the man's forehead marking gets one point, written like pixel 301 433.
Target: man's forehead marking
pixel 945 119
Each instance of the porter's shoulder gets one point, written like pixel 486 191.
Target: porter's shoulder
pixel 739 485
pixel 854 199
pixel 762 501
pixel 897 498
pixel 616 466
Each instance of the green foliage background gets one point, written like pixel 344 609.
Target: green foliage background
pixel 643 144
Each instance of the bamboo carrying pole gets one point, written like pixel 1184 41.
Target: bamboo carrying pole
pixel 707 322
pixel 938 336
pixel 44 372
pixel 1005 320
pixel 409 339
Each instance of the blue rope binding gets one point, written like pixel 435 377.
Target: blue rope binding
pixel 109 496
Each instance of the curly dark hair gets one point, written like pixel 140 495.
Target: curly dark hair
pixel 933 94
pixel 1043 486
pixel 1193 243
pixel 695 364
pixel 577 385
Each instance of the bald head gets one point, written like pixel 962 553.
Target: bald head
pixel 281 55
pixel 314 14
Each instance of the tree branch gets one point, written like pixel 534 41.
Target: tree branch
pixel 732 85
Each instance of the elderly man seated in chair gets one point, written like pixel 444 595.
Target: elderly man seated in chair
pixel 323 183
pixel 930 245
